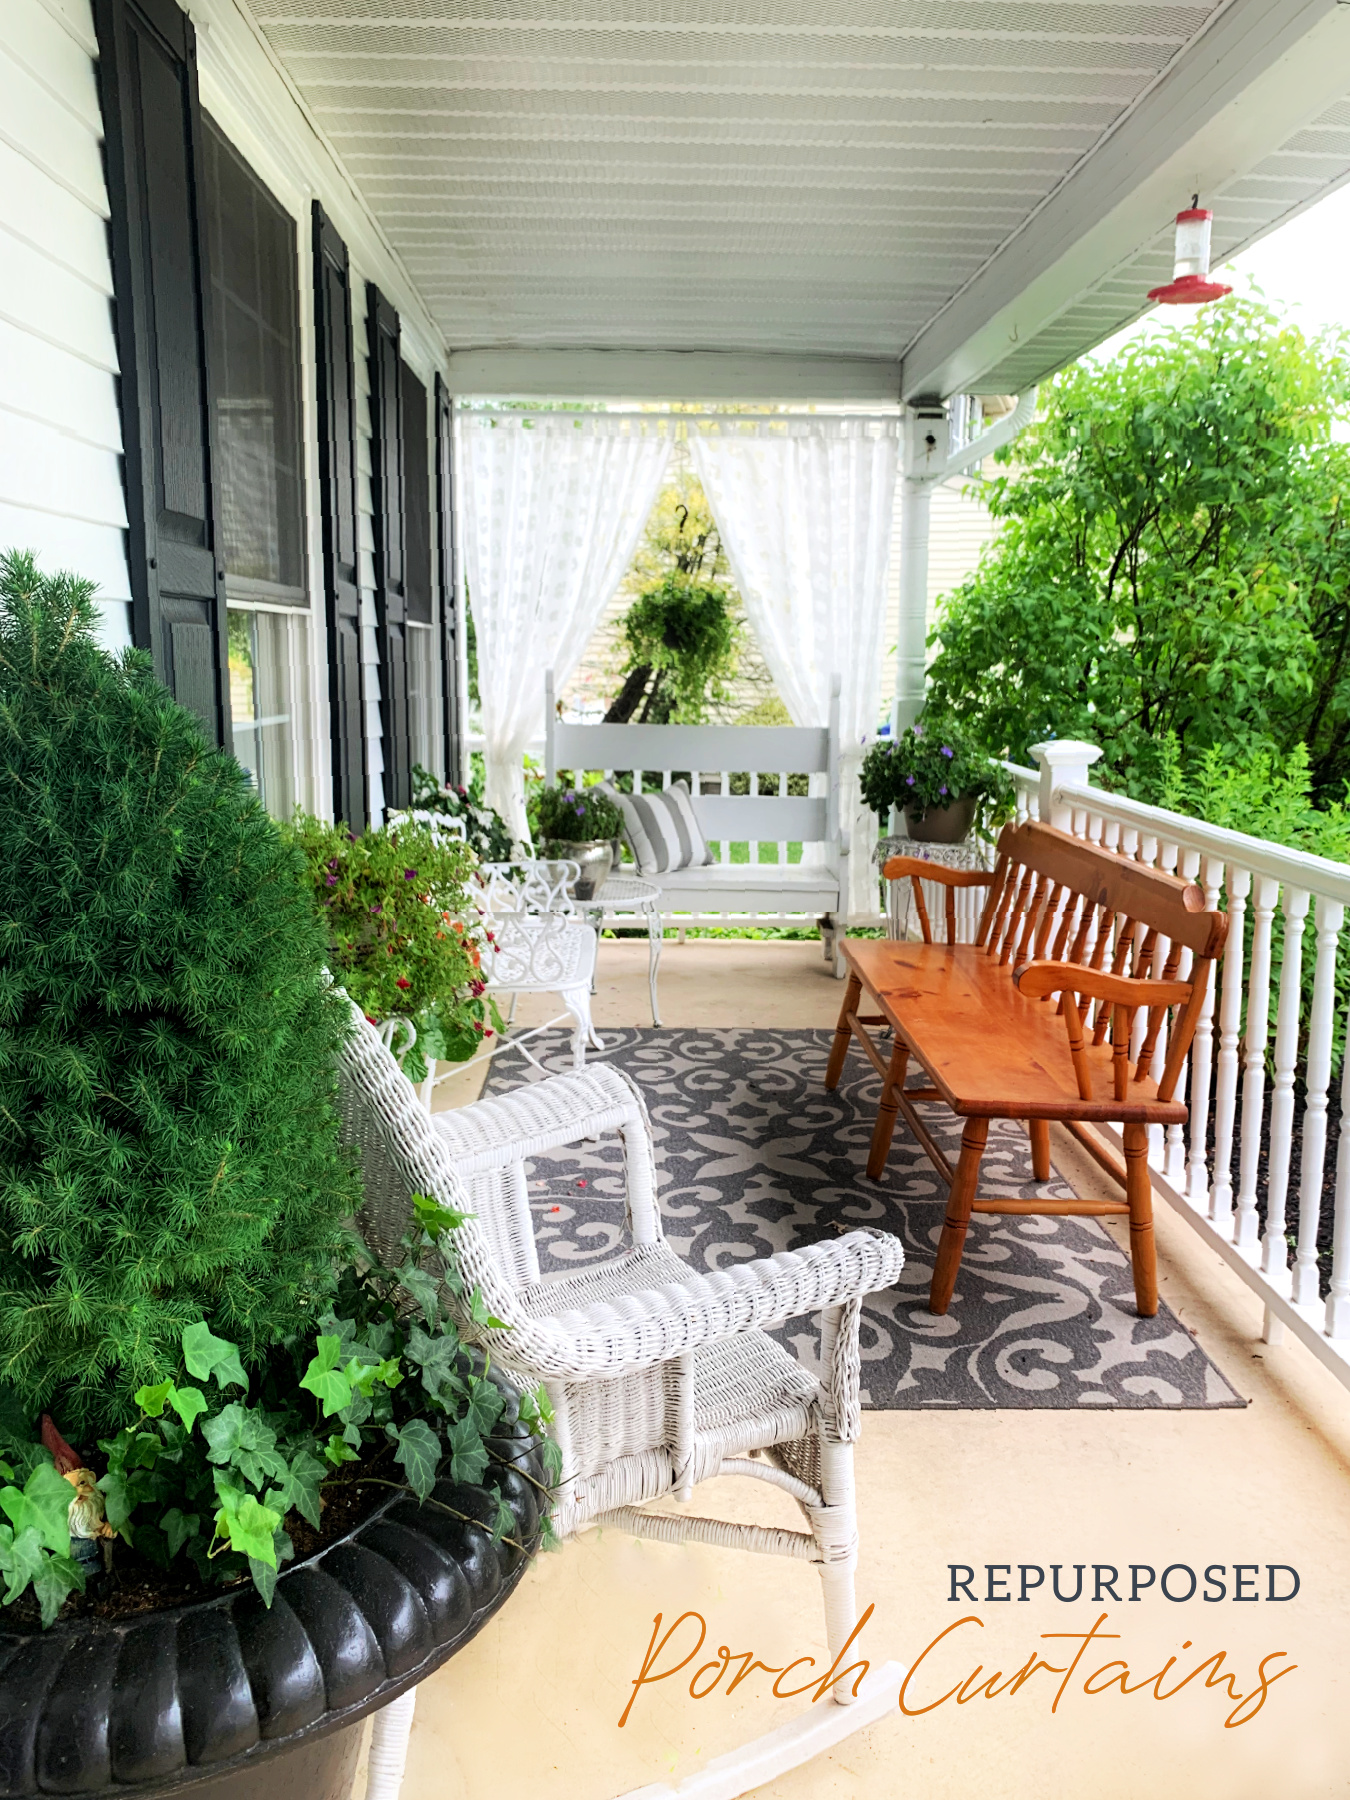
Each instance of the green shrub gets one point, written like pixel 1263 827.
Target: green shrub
pixel 1173 555
pixel 168 1134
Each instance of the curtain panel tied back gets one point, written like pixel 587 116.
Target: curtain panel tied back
pixel 805 507
pixel 553 508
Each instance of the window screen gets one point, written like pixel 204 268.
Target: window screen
pixel 255 334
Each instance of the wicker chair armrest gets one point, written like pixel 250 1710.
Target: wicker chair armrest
pixel 562 1109
pixel 655 1324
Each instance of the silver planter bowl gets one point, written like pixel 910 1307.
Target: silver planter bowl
pixel 596 859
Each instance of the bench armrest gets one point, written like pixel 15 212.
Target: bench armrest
pixel 1038 979
pixel 897 868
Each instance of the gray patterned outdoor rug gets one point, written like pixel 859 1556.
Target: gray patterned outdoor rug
pixel 754 1156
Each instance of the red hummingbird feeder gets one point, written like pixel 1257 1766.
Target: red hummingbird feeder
pixel 1190 284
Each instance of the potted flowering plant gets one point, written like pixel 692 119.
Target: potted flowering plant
pixel 581 824
pixel 405 938
pixel 939 779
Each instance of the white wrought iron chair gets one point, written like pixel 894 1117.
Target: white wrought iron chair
pixel 660 1376
pixel 539 944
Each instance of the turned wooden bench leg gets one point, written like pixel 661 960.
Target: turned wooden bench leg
pixel 884 1129
pixel 1038 1130
pixel 1139 1194
pixel 959 1199
pixel 843 1031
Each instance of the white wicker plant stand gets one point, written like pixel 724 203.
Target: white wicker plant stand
pixel 660 1376
pixel 972 853
pixel 626 896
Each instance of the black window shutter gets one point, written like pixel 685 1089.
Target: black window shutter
pixel 445 522
pixel 337 497
pixel 391 593
pixel 152 127
pixel 417 500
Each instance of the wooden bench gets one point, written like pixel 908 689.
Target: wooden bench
pixel 1128 950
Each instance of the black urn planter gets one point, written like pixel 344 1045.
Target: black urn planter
pixel 237 1702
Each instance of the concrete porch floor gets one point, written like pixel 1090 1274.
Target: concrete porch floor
pixel 532 1705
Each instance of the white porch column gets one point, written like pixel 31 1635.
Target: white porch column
pixel 916 499
pixel 923 464
pixel 1060 761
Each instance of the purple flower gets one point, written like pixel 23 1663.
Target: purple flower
pixel 943 788
pixel 410 874
pixel 909 781
pixel 947 752
pixel 332 881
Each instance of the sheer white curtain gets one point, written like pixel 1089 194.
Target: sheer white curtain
pixel 804 506
pixel 551 510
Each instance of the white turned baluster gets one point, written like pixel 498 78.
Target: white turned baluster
pixel 1174 1154
pixel 1338 1299
pixel 1162 855
pixel 1327 921
pixel 1230 1026
pixel 1274 1250
pixel 1202 1060
pixel 1265 894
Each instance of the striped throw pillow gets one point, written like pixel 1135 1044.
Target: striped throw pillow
pixel 662 830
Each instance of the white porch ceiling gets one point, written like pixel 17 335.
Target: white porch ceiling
pixel 778 177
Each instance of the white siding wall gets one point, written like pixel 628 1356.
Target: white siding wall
pixel 61 492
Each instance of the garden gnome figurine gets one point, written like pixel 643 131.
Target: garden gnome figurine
pixel 90 1531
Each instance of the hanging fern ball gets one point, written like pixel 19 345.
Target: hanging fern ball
pixel 168 1126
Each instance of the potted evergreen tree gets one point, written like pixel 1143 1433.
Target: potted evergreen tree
pixel 253 1484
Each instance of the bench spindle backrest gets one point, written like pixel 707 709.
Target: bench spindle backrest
pixel 1056 898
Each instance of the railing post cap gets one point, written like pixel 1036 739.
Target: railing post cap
pixel 1065 750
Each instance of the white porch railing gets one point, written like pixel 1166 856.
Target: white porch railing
pixel 1217 1172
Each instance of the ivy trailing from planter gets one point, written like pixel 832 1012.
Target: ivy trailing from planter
pixel 384 1395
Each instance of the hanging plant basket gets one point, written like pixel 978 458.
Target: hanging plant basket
pixel 238 1702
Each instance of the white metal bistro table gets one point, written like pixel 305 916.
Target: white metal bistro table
pixel 626 896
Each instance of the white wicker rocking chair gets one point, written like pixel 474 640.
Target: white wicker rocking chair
pixel 660 1376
